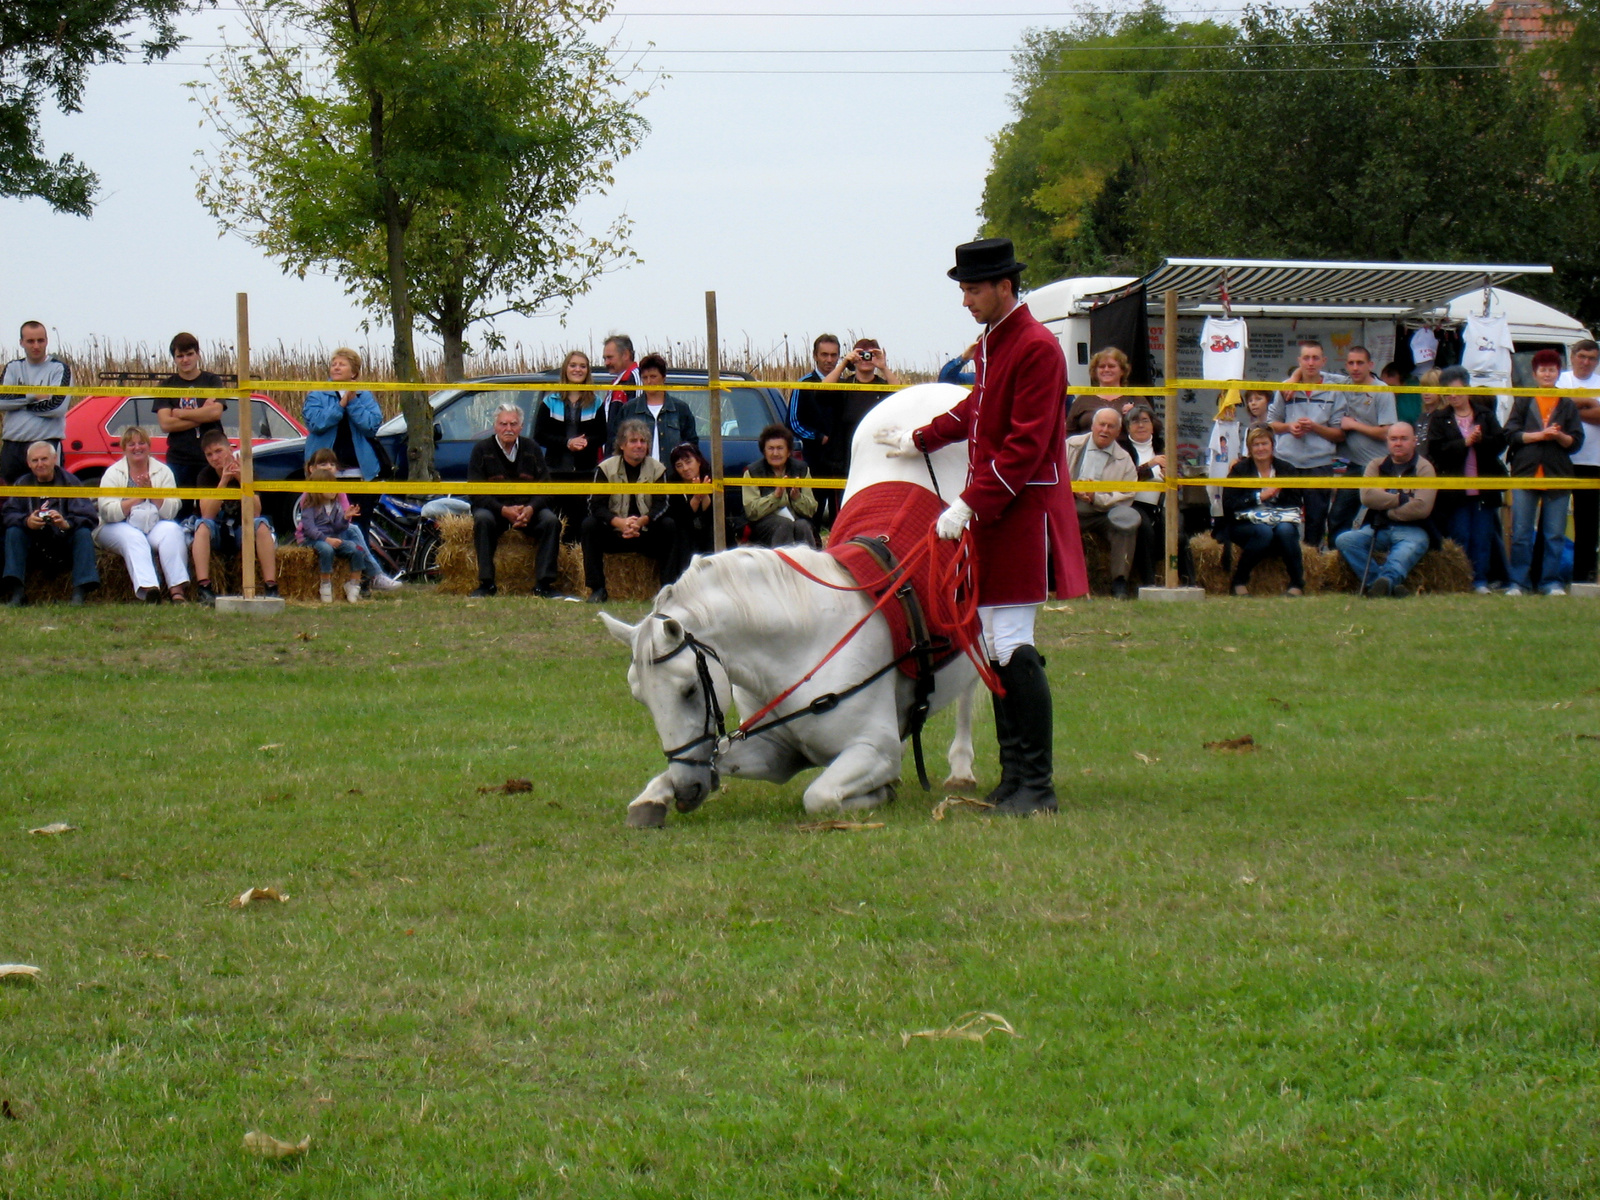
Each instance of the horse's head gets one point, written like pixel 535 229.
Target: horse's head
pixel 682 682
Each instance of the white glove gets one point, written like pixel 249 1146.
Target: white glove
pixel 953 520
pixel 900 442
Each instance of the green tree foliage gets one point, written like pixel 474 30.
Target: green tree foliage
pixel 46 49
pixel 426 152
pixel 1090 113
pixel 1571 62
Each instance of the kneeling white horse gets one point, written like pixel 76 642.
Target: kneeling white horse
pixel 745 625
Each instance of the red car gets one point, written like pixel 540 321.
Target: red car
pixel 95 423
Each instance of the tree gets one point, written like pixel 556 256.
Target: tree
pixel 1090 112
pixel 47 47
pixel 426 152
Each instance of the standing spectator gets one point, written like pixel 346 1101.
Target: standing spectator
pixel 505 456
pixel 221 522
pixel 143 531
pixel 670 420
pixel 1143 431
pixel 1428 403
pixel 1465 440
pixel 816 416
pixel 1542 432
pixel 1263 522
pixel 1366 422
pixel 693 516
pixel 327 525
pixel 617 354
pixel 1399 520
pixel 1309 424
pixel 187 419
pixel 1585 460
pixel 1109 368
pixel 570 428
pixel 34 418
pixel 958 369
pixel 1096 456
pixel 57 534
pixel 866 365
pixel 620 523
pixel 344 420
pixel 779 515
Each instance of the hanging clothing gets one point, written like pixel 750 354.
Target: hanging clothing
pixel 1223 343
pixel 1424 348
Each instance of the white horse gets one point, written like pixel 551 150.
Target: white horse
pixel 744 625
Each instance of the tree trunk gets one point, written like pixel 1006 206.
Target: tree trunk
pixel 453 332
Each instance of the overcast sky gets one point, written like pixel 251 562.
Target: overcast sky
pixel 807 201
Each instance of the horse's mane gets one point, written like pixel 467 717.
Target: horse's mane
pixel 751 586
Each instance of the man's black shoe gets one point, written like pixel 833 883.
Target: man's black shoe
pixel 481 591
pixel 78 594
pixel 1119 589
pixel 1380 587
pixel 1399 591
pixel 546 593
pixel 1026 801
pixel 18 597
pixel 270 591
pixel 598 596
pixel 204 594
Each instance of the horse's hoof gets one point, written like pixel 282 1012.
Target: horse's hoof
pixel 961 783
pixel 648 815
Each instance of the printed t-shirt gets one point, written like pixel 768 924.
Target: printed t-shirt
pixel 184 446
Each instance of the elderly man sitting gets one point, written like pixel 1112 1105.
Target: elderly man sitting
pixel 1399 519
pixel 505 456
pixel 58 534
pixel 1097 456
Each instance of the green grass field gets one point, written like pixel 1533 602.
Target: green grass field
pixel 1359 962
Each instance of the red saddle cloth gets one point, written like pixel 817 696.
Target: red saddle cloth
pixel 900 515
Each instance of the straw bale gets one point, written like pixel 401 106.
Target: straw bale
pixel 1442 570
pixel 628 576
pixel 298 578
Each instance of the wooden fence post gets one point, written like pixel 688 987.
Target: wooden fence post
pixel 1171 368
pixel 247 475
pixel 719 503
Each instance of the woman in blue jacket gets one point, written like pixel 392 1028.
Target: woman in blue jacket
pixel 344 421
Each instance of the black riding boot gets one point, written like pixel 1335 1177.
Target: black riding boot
pixel 1028 699
pixel 1006 735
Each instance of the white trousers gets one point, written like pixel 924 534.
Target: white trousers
pixel 1005 627
pixel 166 540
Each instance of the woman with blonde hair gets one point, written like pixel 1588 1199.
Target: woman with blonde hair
pixel 1263 521
pixel 1109 368
pixel 344 420
pixel 570 427
pixel 143 531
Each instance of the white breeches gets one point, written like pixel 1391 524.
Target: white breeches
pixel 1005 627
pixel 167 542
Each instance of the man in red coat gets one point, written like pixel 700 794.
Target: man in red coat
pixel 1018 502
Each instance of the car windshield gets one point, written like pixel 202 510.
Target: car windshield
pixel 468 416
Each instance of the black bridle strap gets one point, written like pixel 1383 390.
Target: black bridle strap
pixel 716 725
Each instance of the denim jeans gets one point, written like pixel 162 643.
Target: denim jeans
pixel 1527 521
pixel 352 546
pixel 1404 544
pixel 53 552
pixel 1473 527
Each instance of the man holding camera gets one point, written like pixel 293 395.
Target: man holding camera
pixel 56 533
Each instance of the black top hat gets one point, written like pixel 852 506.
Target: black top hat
pixel 991 258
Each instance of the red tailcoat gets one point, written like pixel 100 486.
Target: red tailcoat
pixel 1015 423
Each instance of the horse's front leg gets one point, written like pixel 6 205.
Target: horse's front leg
pixel 648 810
pixel 960 753
pixel 861 776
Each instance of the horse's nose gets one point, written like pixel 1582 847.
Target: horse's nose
pixel 690 797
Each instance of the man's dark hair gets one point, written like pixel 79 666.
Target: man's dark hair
pixel 1389 368
pixel 1583 344
pixel 210 438
pixel 1015 279
pixel 27 325
pixel 775 431
pixel 1359 350
pixel 825 337
pixel 183 341
pixel 1310 341
pixel 622 342
pixel 653 362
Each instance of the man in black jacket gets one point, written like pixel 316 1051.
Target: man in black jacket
pixel 57 533
pixel 505 456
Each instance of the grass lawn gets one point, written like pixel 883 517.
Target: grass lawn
pixel 1359 962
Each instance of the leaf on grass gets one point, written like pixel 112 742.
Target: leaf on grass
pixel 251 895
pixel 355 792
pixel 1238 745
pixel 8 1111
pixel 18 970
pixel 1588 737
pixel 1230 649
pixel 271 746
pixel 305 636
pixel 828 826
pixel 969 1027
pixel 1283 704
pixel 510 787
pixel 267 1146
pixel 1145 758
pixel 58 827
pixel 949 802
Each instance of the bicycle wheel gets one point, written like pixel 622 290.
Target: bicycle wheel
pixel 425 558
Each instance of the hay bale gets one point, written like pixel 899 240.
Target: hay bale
pixel 298 578
pixel 628 576
pixel 1442 570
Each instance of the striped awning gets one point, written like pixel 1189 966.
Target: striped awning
pixel 1255 283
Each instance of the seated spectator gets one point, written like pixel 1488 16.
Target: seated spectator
pixel 1398 524
pixel 327 525
pixel 570 428
pixel 668 418
pixel 622 523
pixel 57 534
pixel 1465 439
pixel 1262 522
pixel 505 456
pixel 1096 456
pixel 217 529
pixel 694 516
pixel 779 516
pixel 1109 368
pixel 1542 432
pixel 1142 431
pixel 187 419
pixel 143 531
pixel 1226 444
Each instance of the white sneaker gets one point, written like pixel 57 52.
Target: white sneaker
pixel 1482 589
pixel 1555 589
pixel 1514 590
pixel 352 590
pixel 325 593
pixel 385 583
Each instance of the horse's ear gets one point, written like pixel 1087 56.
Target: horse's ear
pixel 620 630
pixel 672 629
